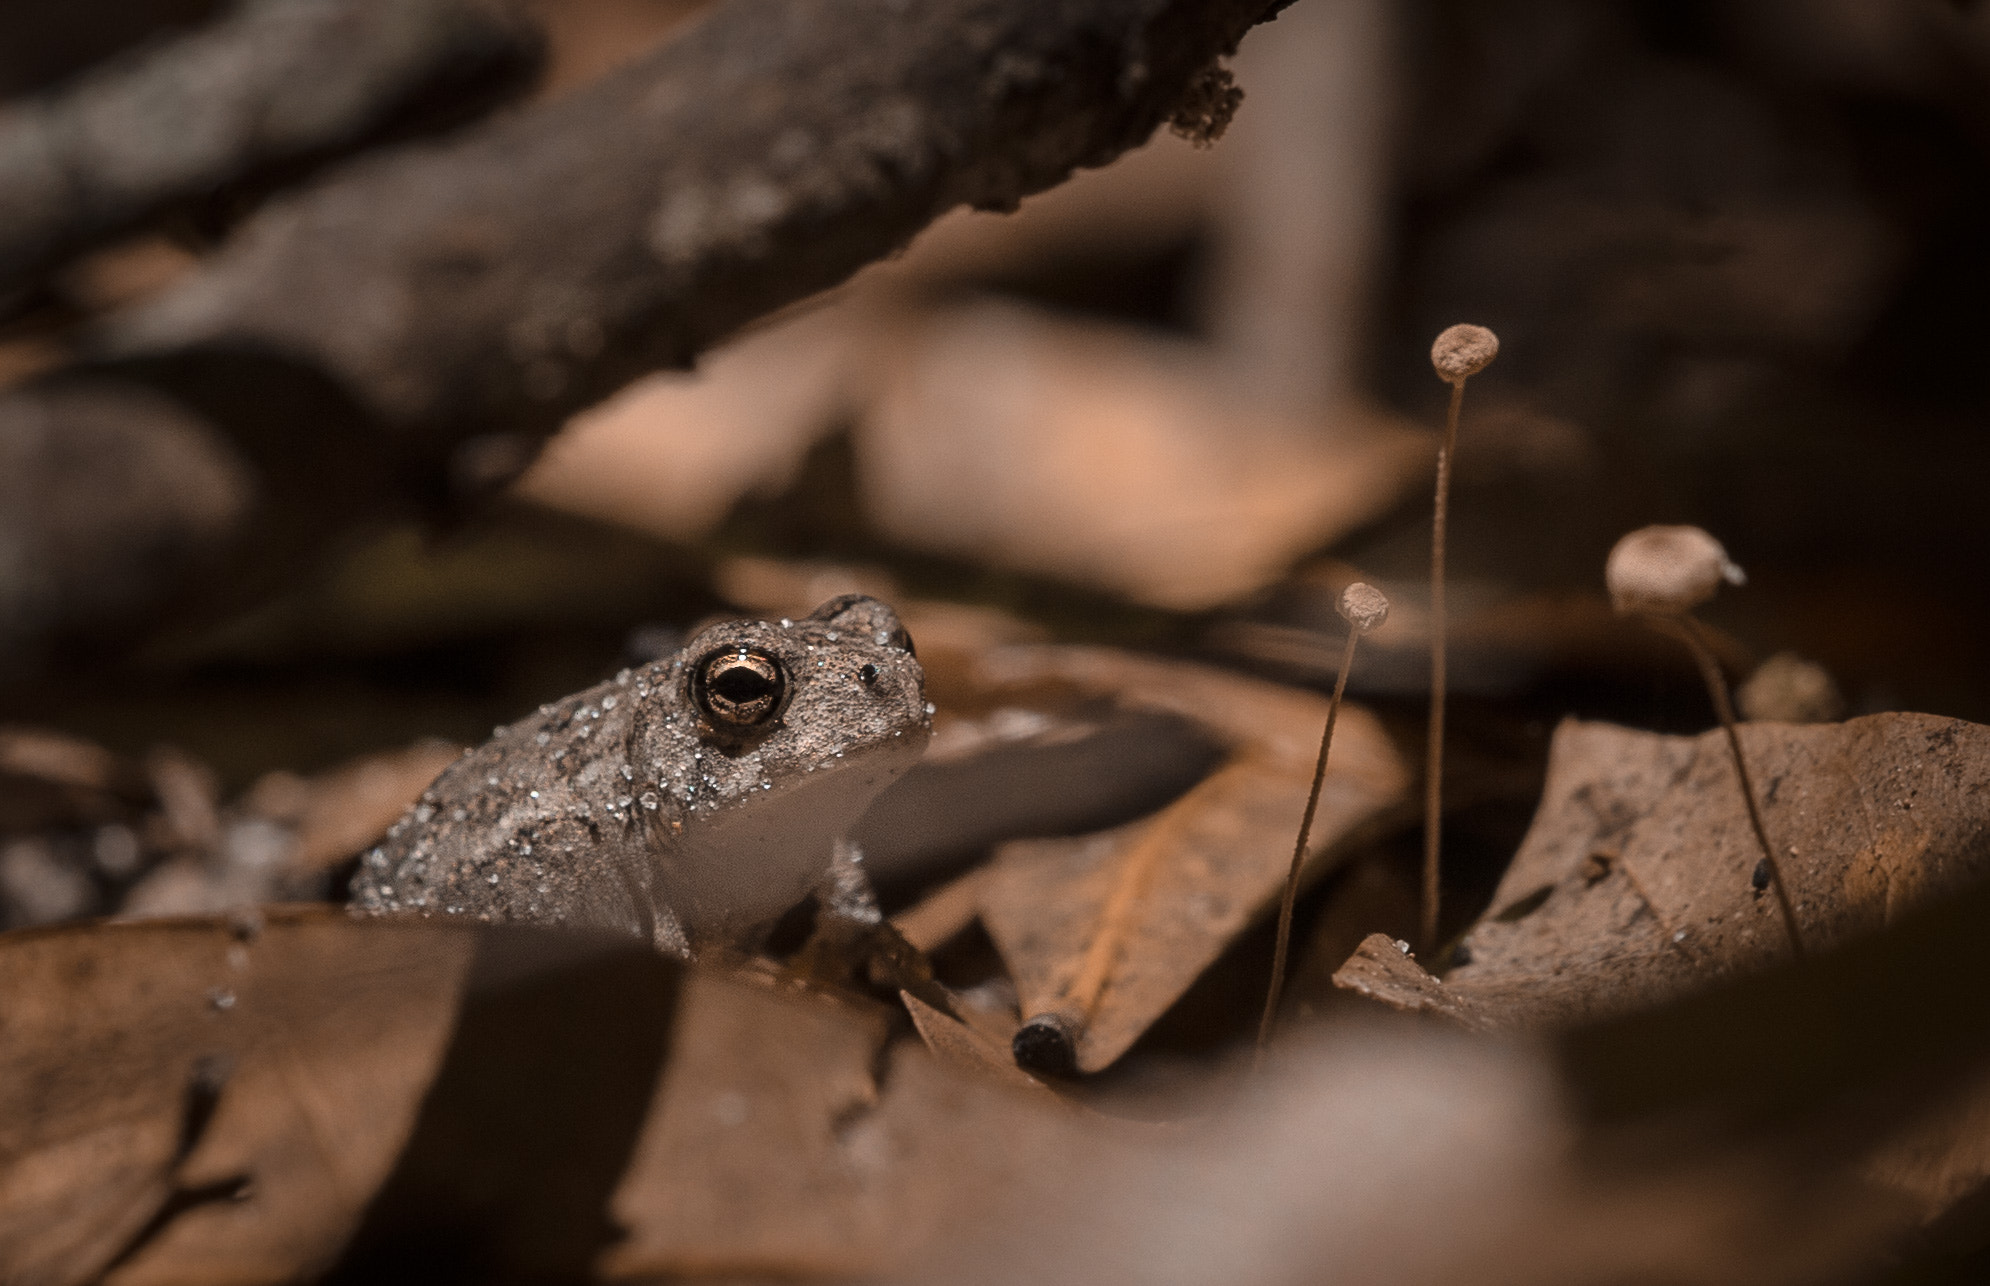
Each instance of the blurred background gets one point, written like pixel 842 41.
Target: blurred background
pixel 1733 252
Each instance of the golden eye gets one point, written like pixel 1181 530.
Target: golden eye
pixel 739 687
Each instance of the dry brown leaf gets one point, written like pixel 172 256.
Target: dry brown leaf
pixel 790 1140
pixel 340 812
pixel 1113 927
pixel 672 453
pixel 53 779
pixel 366 1086
pixel 942 915
pixel 1108 457
pixel 953 1041
pixel 1383 970
pixel 1637 878
pixel 311 1041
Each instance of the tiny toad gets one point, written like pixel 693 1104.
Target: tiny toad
pixel 691 801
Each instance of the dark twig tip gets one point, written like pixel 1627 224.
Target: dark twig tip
pixel 1047 1043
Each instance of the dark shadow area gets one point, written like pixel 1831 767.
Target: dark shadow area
pixel 531 1120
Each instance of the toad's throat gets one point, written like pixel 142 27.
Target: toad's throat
pixel 745 865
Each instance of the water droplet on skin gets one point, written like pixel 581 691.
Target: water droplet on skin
pixel 833 636
pixel 542 738
pixel 220 999
pixel 532 794
pixel 608 702
pixel 787 624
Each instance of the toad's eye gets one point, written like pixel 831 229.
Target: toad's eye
pixel 739 687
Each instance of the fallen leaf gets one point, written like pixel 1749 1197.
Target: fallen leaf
pixel 1111 928
pixel 350 807
pixel 302 1094
pixel 1382 969
pixel 314 1043
pixel 1637 880
pixel 954 1042
pixel 1105 457
pixel 672 453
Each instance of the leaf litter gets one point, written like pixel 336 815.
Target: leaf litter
pixel 1639 880
pixel 1113 927
pixel 334 1092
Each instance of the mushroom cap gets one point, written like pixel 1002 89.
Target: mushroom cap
pixel 1786 688
pixel 1667 571
pixel 1462 351
pixel 1363 607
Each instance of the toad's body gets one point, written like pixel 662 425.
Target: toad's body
pixel 691 800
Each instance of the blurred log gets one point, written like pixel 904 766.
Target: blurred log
pixel 415 327
pixel 42 45
pixel 244 104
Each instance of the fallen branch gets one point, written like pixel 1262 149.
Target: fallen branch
pixel 199 123
pixel 430 317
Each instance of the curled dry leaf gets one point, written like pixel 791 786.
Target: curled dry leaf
pixel 1113 927
pixel 305 1094
pixel 1638 879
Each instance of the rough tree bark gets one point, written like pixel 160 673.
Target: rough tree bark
pixel 420 322
pixel 248 102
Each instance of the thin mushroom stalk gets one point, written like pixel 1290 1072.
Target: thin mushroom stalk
pixel 1661 574
pixel 1364 608
pixel 1461 352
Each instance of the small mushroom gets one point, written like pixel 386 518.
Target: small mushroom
pixel 1661 574
pixel 1364 608
pixel 1461 352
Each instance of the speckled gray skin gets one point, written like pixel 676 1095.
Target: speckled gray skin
pixel 625 807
